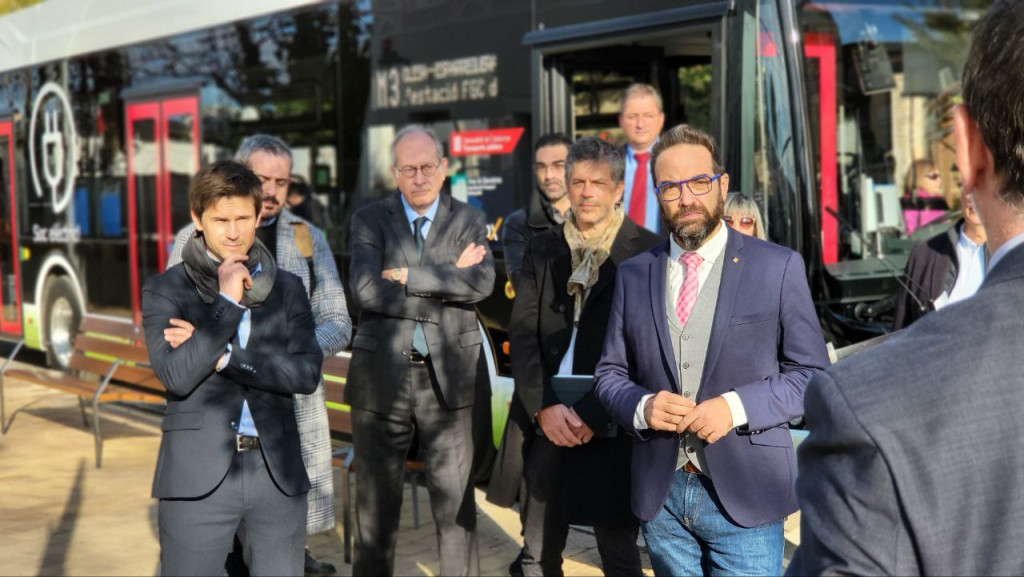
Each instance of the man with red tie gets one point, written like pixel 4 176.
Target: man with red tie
pixel 641 119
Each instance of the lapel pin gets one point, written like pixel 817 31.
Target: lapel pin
pixel 735 259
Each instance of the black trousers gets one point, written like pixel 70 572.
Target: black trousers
pixel 197 534
pixel 545 530
pixel 446 448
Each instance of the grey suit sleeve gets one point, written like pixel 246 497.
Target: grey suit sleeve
pixel 851 520
pixel 373 293
pixel 330 311
pixel 179 244
pixel 467 285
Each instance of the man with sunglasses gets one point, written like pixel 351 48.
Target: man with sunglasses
pixel 706 366
pixel 420 261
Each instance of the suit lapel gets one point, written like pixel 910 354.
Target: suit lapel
pixel 560 265
pixel 657 273
pixel 441 219
pixel 732 270
pixel 403 233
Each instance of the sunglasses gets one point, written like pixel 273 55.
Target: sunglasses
pixel 741 221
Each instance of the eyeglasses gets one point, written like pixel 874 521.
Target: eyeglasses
pixel 428 170
pixel 698 185
pixel 743 221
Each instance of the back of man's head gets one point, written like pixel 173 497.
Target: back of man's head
pixel 993 92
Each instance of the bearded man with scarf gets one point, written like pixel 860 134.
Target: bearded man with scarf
pixel 229 457
pixel 575 467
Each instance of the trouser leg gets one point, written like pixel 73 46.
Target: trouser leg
pixel 273 529
pixel 446 448
pixel 545 530
pixel 619 553
pixel 196 534
pixel 381 445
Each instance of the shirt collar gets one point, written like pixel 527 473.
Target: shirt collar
pixel 965 241
pixel 712 248
pixel 630 151
pixel 411 215
pixel 258 270
pixel 1007 247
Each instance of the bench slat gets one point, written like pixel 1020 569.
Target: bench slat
pixel 336 366
pixel 108 348
pixel 111 327
pixel 80 387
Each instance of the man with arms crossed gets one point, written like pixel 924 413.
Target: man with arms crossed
pixel 281 232
pixel 229 458
pixel 913 465
pixel 419 263
pixel 706 366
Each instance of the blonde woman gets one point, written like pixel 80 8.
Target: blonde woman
pixel 742 214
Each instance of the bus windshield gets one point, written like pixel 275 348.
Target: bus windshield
pixel 882 79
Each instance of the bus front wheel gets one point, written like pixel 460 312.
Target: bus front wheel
pixel 63 316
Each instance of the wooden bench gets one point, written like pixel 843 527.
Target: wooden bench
pixel 339 415
pixel 109 363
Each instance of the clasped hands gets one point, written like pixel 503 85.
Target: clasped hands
pixel 471 255
pixel 563 427
pixel 710 421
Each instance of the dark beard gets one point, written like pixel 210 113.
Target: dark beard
pixel 692 236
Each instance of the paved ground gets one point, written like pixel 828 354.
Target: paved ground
pixel 59 515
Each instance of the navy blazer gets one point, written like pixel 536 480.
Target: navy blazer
pixel 765 344
pixel 280 360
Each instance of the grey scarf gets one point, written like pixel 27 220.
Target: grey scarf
pixel 202 269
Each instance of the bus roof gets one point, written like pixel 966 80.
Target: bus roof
pixel 57 29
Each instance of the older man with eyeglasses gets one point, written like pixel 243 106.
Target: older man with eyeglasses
pixel 706 366
pixel 420 261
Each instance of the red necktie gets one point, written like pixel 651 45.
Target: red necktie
pixel 688 292
pixel 638 198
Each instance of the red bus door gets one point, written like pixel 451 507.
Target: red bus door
pixel 163 154
pixel 10 270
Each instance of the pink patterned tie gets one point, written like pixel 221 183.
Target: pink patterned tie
pixel 688 293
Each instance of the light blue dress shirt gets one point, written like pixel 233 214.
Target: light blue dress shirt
pixel 246 426
pixel 652 210
pixel 411 215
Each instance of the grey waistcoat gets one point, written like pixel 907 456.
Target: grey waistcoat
pixel 690 345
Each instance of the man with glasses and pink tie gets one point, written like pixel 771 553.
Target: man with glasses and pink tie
pixel 706 367
pixel 642 117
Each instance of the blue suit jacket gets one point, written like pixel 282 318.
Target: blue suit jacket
pixel 765 344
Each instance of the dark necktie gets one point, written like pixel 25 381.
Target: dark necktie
pixel 419 340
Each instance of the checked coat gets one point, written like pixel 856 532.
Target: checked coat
pixel 333 332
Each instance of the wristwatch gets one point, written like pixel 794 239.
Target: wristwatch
pixel 396 275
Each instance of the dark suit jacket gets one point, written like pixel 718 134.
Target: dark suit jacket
pixel 765 344
pixel 912 466
pixel 281 358
pixel 539 332
pixel 437 294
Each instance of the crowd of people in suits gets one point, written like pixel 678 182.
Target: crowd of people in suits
pixel 639 275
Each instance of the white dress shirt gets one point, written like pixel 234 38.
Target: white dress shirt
pixel 970 257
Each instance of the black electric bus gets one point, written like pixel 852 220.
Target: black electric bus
pixel 822 109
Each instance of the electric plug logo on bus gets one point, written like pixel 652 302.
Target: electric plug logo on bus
pixel 57 154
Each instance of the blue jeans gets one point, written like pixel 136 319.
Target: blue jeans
pixel 692 535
